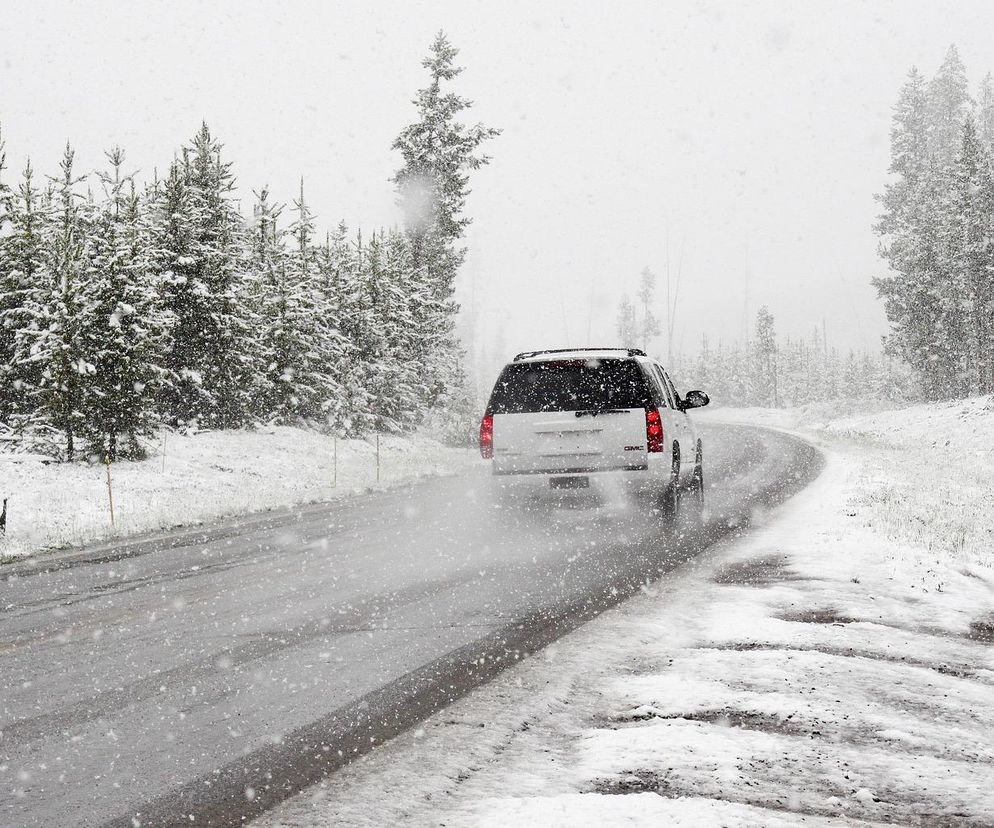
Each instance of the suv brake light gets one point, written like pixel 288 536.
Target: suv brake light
pixel 653 431
pixel 487 437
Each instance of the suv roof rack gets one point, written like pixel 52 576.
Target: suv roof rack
pixel 528 354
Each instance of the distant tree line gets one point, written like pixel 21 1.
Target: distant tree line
pixel 937 231
pixel 772 373
pixel 159 303
pixel 769 373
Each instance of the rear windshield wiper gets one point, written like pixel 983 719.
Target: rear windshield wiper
pixel 593 412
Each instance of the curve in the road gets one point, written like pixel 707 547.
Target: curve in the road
pixel 747 469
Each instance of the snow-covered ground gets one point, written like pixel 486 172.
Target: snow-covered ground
pixel 201 477
pixel 833 665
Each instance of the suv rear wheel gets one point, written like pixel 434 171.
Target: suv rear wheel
pixel 695 494
pixel 669 500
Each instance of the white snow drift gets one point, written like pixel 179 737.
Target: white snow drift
pixel 201 477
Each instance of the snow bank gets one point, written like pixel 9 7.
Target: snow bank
pixel 198 478
pixel 926 470
pixel 831 667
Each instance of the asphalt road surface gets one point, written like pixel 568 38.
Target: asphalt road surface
pixel 203 676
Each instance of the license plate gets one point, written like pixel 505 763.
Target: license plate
pixel 569 482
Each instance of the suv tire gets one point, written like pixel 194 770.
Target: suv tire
pixel 669 501
pixel 695 494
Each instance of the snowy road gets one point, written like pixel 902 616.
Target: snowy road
pixel 237 665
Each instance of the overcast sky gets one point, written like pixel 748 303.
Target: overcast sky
pixel 751 135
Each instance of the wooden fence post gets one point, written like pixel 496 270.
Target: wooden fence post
pixel 110 490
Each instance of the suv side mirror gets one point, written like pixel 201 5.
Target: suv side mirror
pixel 695 399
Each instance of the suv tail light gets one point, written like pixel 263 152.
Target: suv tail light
pixel 487 437
pixel 653 431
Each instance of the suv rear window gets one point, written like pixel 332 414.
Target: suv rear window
pixel 569 385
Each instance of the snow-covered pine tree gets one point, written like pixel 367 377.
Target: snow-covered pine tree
pixel 317 326
pixel 910 229
pixel 968 255
pixel 648 324
pixel 10 291
pixel 121 328
pixel 398 305
pixel 373 342
pixel 432 186
pixel 626 324
pixel 764 360
pixel 201 256
pixel 947 105
pixel 6 193
pixel 985 112
pixel 49 343
pixel 186 302
pixel 349 272
pixel 439 152
pixel 851 378
pixel 335 262
pixel 297 378
pixel 267 297
pixel 702 372
pixel 27 277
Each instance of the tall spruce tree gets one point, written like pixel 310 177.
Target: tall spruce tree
pixel 626 324
pixel 120 327
pixel 985 112
pixel 969 260
pixel 294 342
pixel 910 227
pixel 649 325
pixel 322 346
pixel 439 153
pixel 358 325
pixel 948 104
pixel 764 358
pixel 26 277
pixel 50 344
pixel 201 259
pixel 10 290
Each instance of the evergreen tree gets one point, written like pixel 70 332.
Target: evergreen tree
pixel 626 324
pixel 649 327
pixel 968 260
pixel 297 381
pixel 11 290
pixel 318 326
pixel 6 193
pixel 49 343
pixel 764 356
pixel 399 307
pixel 120 326
pixel 919 291
pixel 201 259
pixel 350 268
pixel 336 265
pixel 948 104
pixel 985 113
pixel 27 276
pixel 432 186
pixel 439 152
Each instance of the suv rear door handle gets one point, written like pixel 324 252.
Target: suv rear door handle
pixel 593 412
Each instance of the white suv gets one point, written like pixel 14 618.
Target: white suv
pixel 593 418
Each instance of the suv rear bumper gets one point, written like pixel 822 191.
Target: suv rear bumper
pixel 635 480
pixel 559 472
